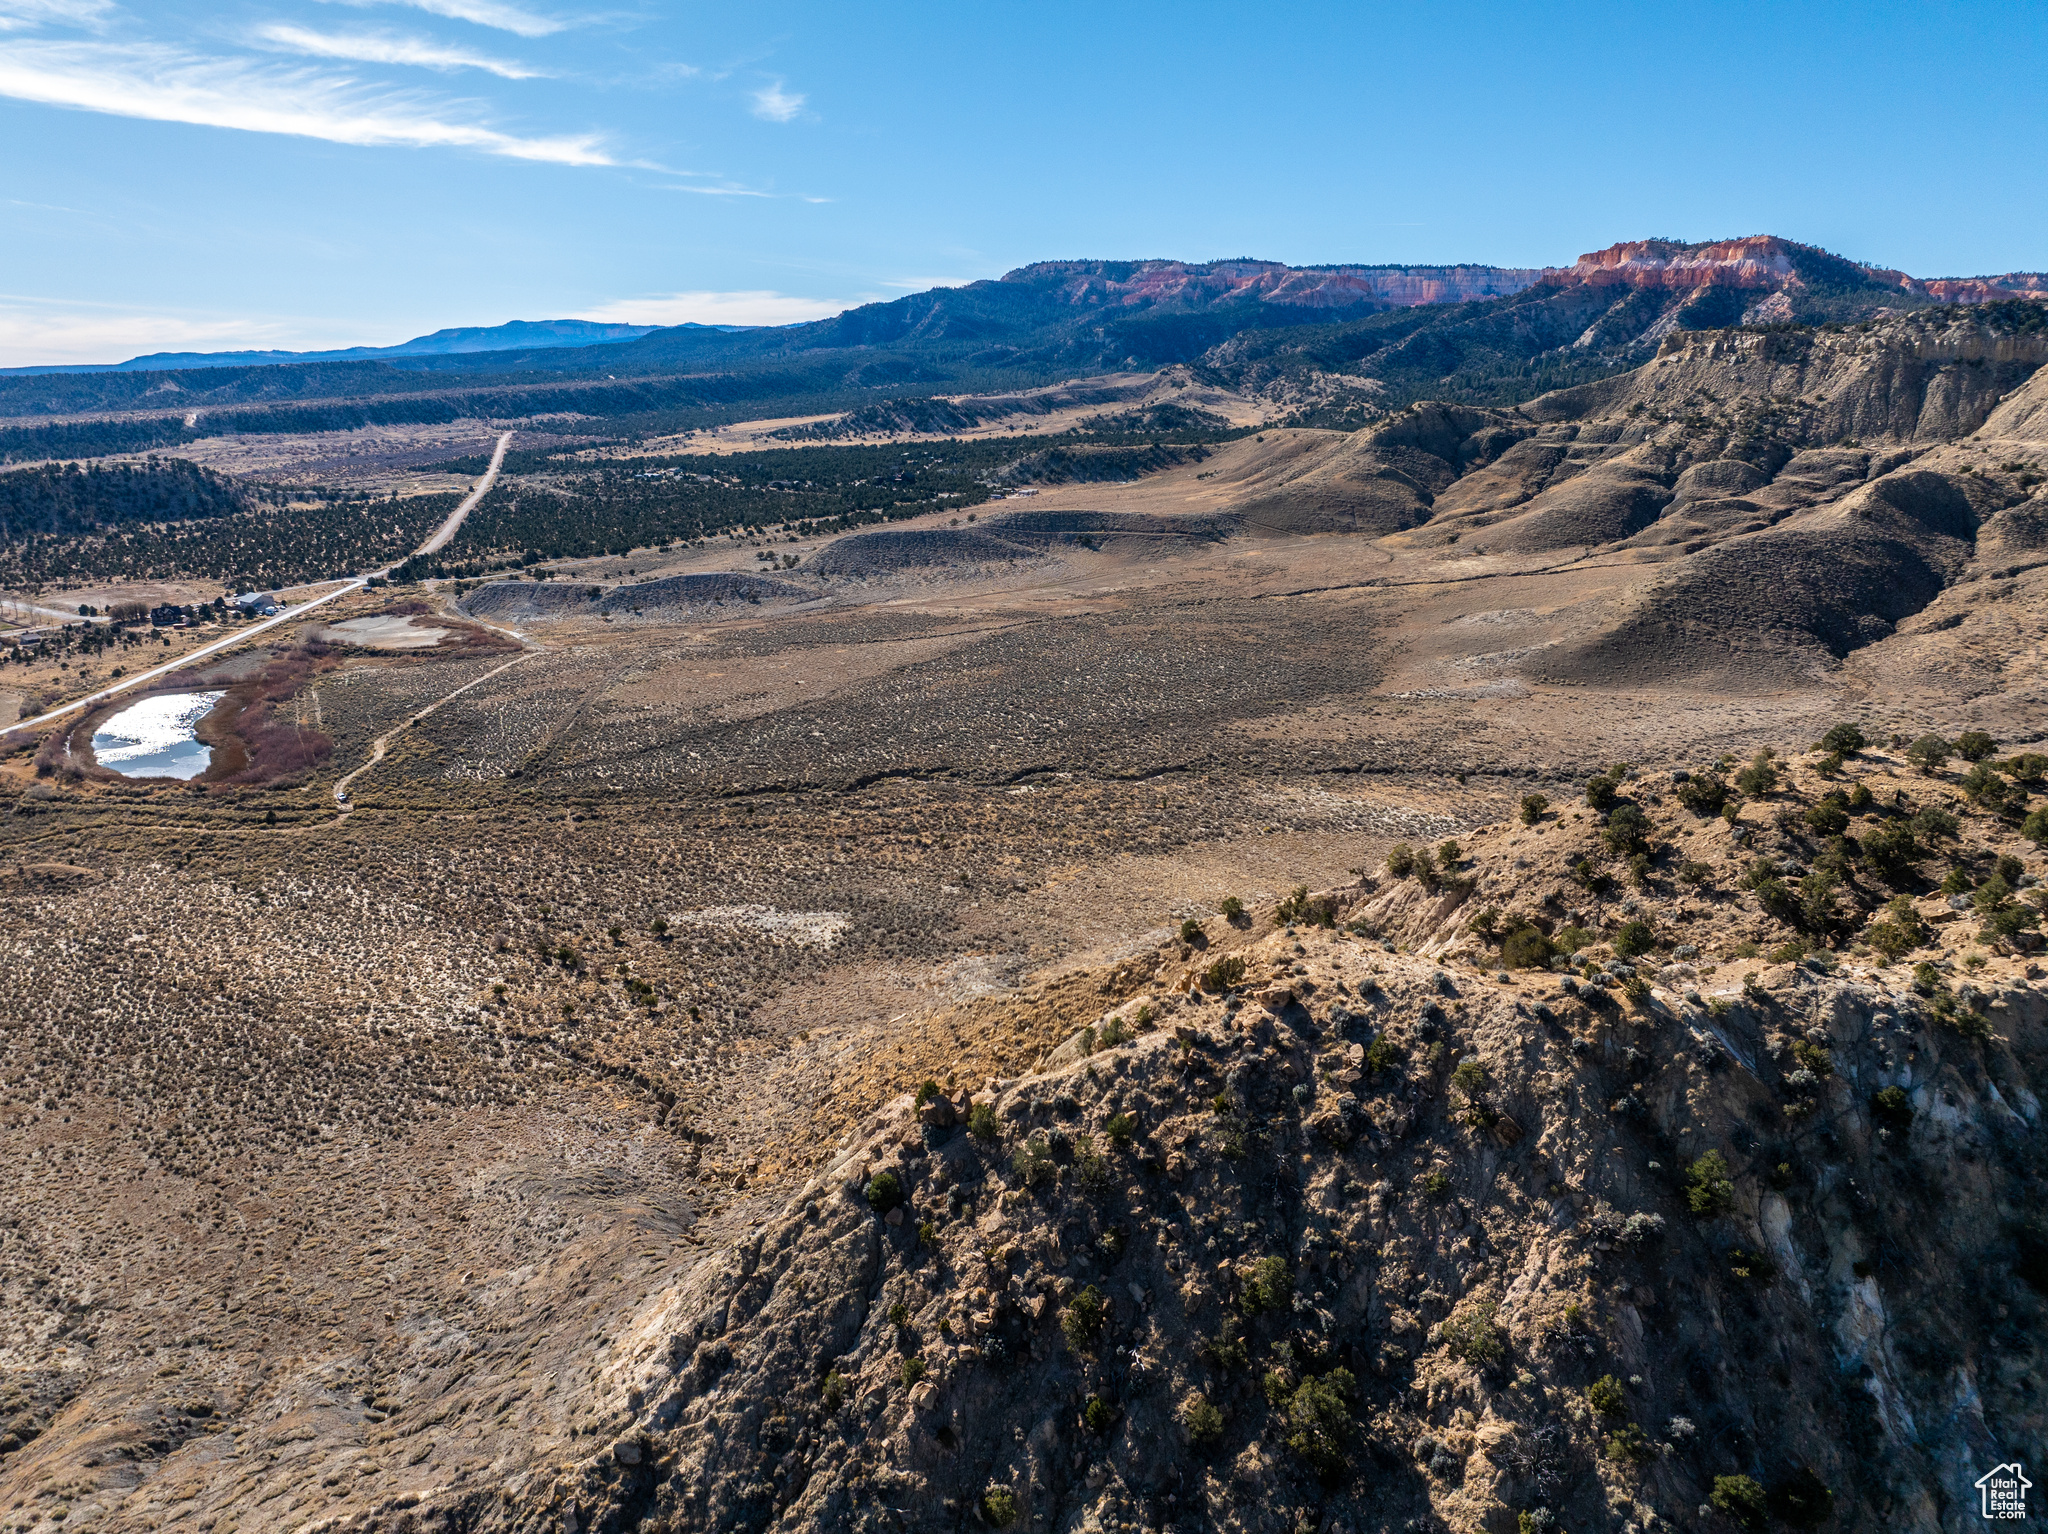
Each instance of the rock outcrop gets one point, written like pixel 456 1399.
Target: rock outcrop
pixel 1369 1232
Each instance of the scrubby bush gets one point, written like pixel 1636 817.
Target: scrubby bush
pixel 1400 860
pixel 1760 777
pixel 1974 745
pixel 1817 900
pixel 1533 806
pixel 982 1122
pixel 2035 827
pixel 1892 1108
pixel 1121 1128
pixel 1034 1165
pixel 1098 1416
pixel 1436 1184
pixel 1091 1166
pixel 1526 948
pixel 1983 787
pixel 833 1392
pixel 1082 1321
pixel 1319 1420
pixel 1630 1444
pixel 1382 1054
pixel 1483 922
pixel 1740 1498
pixel 1203 1422
pixel 1844 738
pixel 884 1192
pixel 1472 1336
pixel 1230 907
pixel 1447 855
pixel 1227 1350
pixel 1268 1287
pixel 999 1506
pixel 2027 767
pixel 1891 940
pixel 1771 892
pixel 1709 1190
pixel 1191 931
pixel 1627 830
pixel 1601 793
pixel 1935 823
pixel 1606 1397
pixel 1704 793
pixel 1892 849
pixel 1633 938
pixel 1930 753
pixel 1223 973
pixel 1830 817
pixel 910 1371
pixel 1469 1078
pixel 1994 894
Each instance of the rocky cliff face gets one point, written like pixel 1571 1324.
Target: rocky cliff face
pixel 1131 284
pixel 1359 1229
pixel 1766 261
pixel 1811 487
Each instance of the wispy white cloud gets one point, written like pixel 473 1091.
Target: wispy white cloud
pixel 716 191
pixel 19 15
pixel 45 332
pixel 747 308
pixel 384 48
pixel 166 85
pixel 482 13
pixel 774 104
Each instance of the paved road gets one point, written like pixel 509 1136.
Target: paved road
pixel 449 528
pixel 440 538
pixel 184 660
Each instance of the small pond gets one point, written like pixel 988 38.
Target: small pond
pixel 154 739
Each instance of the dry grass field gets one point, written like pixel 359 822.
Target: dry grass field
pixel 372 1160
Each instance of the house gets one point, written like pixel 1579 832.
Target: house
pixel 2004 1490
pixel 258 604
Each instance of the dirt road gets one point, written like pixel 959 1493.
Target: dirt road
pixel 449 528
pixel 378 746
pixel 440 538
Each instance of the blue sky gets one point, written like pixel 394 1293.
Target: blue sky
pixel 311 173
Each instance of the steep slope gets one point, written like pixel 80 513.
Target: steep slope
pixel 1607 311
pixel 1351 1233
pixel 1793 493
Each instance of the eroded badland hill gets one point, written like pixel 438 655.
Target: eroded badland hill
pixel 1151 1006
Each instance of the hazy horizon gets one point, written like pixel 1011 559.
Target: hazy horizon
pixel 316 174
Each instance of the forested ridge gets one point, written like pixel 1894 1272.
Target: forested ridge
pixel 257 545
pixel 68 498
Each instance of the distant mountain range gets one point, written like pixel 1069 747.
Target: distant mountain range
pixel 1068 317
pixel 1327 345
pixel 516 335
